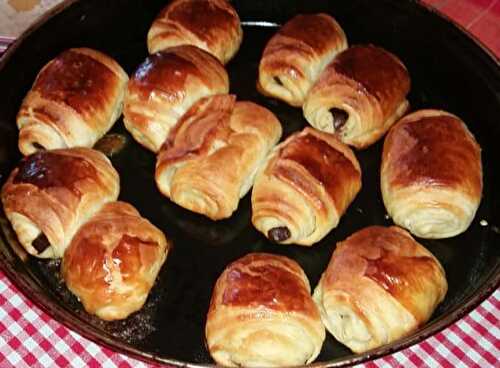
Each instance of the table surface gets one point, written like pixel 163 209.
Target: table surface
pixel 31 338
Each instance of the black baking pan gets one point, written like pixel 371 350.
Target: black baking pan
pixel 449 70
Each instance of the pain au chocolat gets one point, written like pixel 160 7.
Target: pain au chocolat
pixel 52 193
pixel 262 314
pixel 431 175
pixel 306 186
pixel 211 25
pixel 75 99
pixel 164 87
pixel 113 260
pixel 211 156
pixel 296 55
pixel 359 95
pixel 379 286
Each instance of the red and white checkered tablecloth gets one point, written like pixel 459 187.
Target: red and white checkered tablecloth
pixel 31 338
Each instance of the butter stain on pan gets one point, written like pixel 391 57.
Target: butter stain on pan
pixel 135 328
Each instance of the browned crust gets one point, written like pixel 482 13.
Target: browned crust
pixel 261 280
pixel 433 148
pixel 117 240
pixel 216 135
pixel 307 35
pixel 375 71
pixel 168 72
pixel 323 158
pixel 194 134
pixel 212 25
pixel 78 80
pixel 396 262
pixel 56 189
pixel 58 173
pixel 208 20
pixel 49 170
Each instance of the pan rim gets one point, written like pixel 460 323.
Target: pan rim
pixel 58 312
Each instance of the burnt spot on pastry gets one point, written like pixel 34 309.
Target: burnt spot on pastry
pixel 46 169
pixel 339 117
pixel 279 234
pixel 41 243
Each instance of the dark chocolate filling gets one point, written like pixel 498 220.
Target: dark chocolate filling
pixel 38 146
pixel 41 243
pixel 278 81
pixel 339 118
pixel 279 234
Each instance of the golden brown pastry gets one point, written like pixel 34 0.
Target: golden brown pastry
pixel 211 25
pixel 112 262
pixel 75 100
pixel 306 186
pixel 295 56
pixel 262 314
pixel 210 158
pixel 52 193
pixel 431 176
pixel 380 285
pixel 164 87
pixel 359 95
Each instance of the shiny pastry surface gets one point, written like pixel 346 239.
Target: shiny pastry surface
pixel 51 193
pixel 75 99
pixel 431 174
pixel 210 159
pixel 295 56
pixel 212 25
pixel 262 314
pixel 307 184
pixel 164 87
pixel 380 285
pixel 359 95
pixel 113 260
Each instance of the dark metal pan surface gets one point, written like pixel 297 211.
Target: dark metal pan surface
pixel 449 70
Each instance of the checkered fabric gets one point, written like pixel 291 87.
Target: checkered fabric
pixel 479 17
pixel 30 338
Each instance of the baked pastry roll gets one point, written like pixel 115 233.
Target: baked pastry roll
pixel 164 87
pixel 359 95
pixel 210 158
pixel 307 184
pixel 262 314
pixel 431 175
pixel 295 56
pixel 380 285
pixel 211 25
pixel 113 260
pixel 75 99
pixel 52 193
